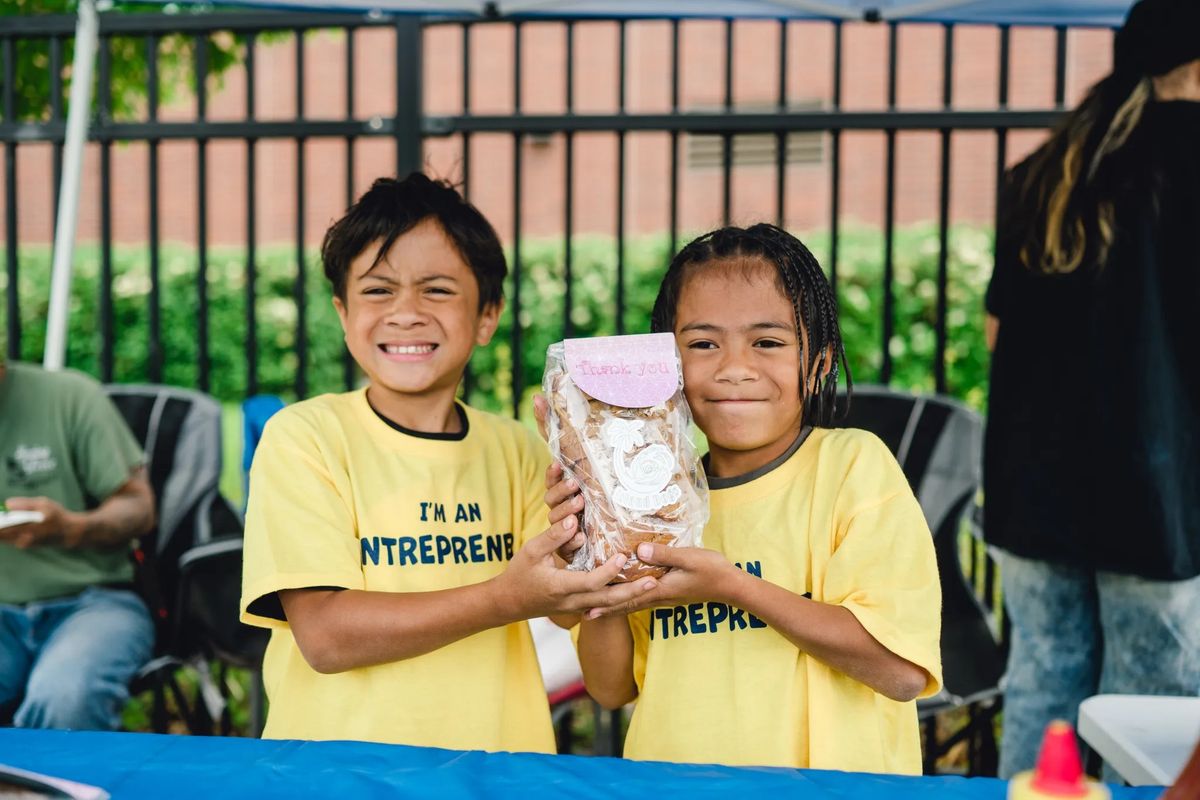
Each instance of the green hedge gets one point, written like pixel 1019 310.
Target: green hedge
pixel 594 269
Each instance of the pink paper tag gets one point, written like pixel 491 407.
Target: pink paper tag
pixel 628 371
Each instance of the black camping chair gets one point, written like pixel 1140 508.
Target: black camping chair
pixel 939 443
pixel 188 569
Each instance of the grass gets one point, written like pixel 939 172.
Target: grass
pixel 137 714
pixel 232 481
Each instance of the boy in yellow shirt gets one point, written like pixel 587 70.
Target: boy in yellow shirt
pixel 802 634
pixel 394 540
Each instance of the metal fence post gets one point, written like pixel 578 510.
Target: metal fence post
pixel 409 67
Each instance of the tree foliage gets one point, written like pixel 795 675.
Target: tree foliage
pixel 34 84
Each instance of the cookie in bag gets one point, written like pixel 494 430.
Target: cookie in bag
pixel 619 424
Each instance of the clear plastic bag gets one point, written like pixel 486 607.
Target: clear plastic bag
pixel 619 425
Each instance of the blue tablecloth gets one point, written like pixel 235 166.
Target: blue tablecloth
pixel 137 765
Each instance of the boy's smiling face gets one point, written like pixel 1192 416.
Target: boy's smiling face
pixel 741 364
pixel 412 318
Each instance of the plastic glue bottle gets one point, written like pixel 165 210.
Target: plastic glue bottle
pixel 1059 771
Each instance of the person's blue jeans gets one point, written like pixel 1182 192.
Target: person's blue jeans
pixel 1078 632
pixel 67 663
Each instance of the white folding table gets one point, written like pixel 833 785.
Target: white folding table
pixel 1146 739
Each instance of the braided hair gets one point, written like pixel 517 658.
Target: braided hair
pixel 799 277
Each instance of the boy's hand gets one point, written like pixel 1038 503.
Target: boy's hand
pixel 534 585
pixel 564 499
pixel 561 495
pixel 696 575
pixel 541 412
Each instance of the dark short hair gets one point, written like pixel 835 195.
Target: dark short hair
pixel 799 278
pixel 392 207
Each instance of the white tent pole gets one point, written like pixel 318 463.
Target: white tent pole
pixel 87 31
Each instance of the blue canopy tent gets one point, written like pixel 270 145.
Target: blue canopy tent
pixel 1109 13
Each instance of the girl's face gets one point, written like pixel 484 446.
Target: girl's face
pixel 741 365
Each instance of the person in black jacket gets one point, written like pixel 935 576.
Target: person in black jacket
pixel 1092 458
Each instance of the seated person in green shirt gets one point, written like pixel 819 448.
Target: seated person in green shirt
pixel 72 633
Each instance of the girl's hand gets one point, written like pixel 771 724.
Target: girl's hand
pixel 564 500
pixel 696 575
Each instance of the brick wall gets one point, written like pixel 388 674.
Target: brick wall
pixel 809 81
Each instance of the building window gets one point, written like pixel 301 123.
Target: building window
pixel 705 151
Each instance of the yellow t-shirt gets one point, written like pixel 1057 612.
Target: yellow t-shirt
pixel 340 498
pixel 836 520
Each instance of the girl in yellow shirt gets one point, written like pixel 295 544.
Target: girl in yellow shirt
pixel 804 630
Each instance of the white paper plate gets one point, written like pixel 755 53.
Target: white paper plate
pixel 10 518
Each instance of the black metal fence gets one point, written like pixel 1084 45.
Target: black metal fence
pixel 411 125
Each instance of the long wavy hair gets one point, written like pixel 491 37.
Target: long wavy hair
pixel 1071 180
